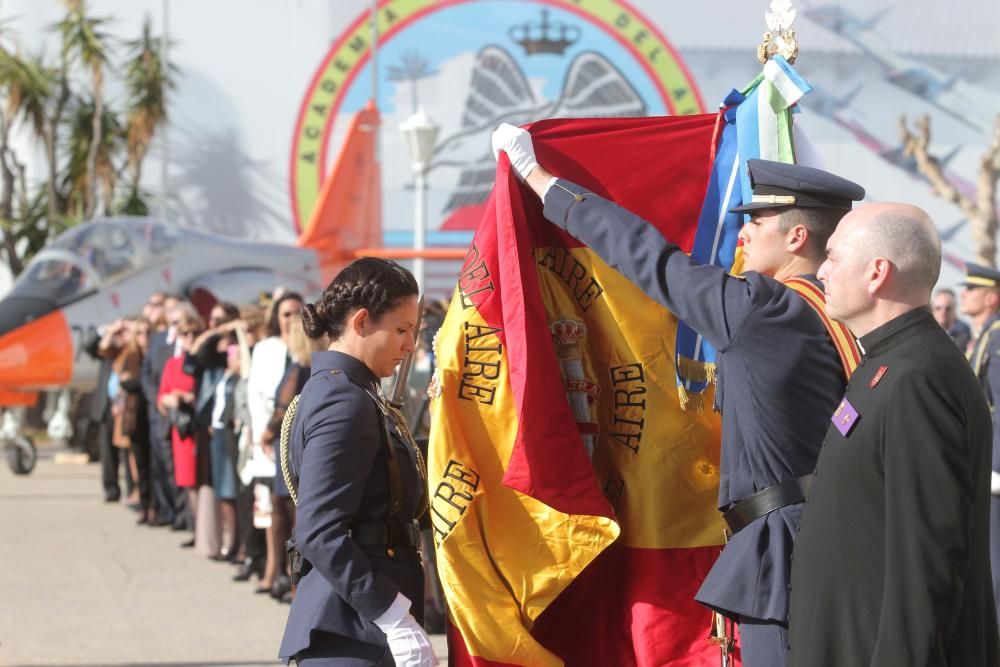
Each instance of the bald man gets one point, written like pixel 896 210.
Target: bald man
pixel 891 565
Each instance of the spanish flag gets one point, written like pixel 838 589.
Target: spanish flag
pixel 573 499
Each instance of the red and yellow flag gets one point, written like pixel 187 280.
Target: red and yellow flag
pixel 573 500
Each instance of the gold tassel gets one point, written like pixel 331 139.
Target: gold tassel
pixel 682 395
pixel 690 401
pixel 696 371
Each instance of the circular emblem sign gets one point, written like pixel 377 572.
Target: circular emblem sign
pixel 471 65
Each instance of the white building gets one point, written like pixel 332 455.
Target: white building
pixel 265 86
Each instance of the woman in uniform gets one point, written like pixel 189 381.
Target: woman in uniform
pixel 361 482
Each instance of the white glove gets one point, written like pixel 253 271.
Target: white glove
pixel 409 644
pixel 995 484
pixel 516 143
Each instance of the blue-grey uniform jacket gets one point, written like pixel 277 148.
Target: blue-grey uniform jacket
pixel 779 381
pixel 985 360
pixel 337 451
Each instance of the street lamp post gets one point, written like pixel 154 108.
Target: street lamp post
pixel 421 135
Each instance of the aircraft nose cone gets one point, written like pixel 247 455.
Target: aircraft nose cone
pixel 16 311
pixel 37 354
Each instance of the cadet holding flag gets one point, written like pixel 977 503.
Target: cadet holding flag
pixel 780 373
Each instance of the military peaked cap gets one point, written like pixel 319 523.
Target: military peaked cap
pixel 780 185
pixel 981 276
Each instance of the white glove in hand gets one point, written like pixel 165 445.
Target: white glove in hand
pixel 408 642
pixel 516 143
pixel 995 484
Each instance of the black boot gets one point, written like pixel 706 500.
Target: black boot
pixel 250 567
pixel 280 587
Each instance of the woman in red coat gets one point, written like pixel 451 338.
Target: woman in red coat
pixel 175 401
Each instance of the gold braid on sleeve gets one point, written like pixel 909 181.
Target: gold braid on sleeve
pixel 286 434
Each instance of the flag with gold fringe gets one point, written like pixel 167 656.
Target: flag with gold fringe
pixel 573 494
pixel 573 499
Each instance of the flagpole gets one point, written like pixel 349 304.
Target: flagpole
pixel 165 130
pixel 374 51
pixel 376 183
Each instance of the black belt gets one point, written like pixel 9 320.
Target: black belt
pixel 387 533
pixel 766 501
pixel 391 534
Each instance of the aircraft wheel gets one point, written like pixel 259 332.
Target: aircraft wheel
pixel 21 455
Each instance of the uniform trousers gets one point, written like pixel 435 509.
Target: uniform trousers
pixel 763 643
pixel 329 650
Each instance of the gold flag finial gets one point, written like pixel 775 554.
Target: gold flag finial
pixel 780 38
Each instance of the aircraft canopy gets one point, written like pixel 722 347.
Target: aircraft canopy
pixel 91 255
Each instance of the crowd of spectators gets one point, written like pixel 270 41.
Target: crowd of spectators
pixel 187 415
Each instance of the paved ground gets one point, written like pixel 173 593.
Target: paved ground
pixel 81 584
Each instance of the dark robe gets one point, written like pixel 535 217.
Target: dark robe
pixel 891 564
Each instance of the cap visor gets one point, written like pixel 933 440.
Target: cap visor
pixel 756 207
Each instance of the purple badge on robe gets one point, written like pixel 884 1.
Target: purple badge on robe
pixel 845 417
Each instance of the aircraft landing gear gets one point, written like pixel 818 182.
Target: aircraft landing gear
pixel 60 426
pixel 18 448
pixel 21 454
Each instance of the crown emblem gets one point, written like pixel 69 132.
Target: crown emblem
pixel 780 38
pixel 544 37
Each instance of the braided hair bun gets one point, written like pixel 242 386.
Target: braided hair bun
pixel 314 319
pixel 375 284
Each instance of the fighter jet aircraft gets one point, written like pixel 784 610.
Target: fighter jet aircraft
pixel 836 109
pixel 100 271
pixel 974 105
pixel 103 270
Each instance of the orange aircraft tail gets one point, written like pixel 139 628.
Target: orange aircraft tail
pixel 348 212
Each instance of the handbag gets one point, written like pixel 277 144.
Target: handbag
pixel 182 419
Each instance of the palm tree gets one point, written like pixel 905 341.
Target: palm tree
pixel 146 85
pixel 32 227
pixel 135 203
pixel 86 143
pixel 25 87
pixel 84 43
pixel 412 67
pixel 81 146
